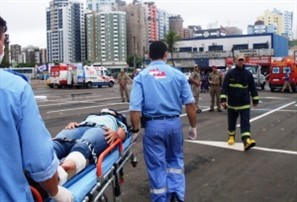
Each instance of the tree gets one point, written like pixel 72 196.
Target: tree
pixel 170 39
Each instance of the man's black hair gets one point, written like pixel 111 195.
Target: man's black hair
pixel 157 50
pixel 3 26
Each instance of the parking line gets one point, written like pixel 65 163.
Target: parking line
pixel 239 146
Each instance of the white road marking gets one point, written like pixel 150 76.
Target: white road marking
pixel 270 112
pixel 74 102
pixel 64 110
pixel 239 146
pixel 40 97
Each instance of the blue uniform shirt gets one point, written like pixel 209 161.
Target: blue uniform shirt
pixel 25 143
pixel 160 90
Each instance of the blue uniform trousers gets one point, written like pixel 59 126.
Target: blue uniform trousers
pixel 245 126
pixel 163 154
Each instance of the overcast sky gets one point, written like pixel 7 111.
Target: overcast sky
pixel 27 18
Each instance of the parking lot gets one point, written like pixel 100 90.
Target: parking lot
pixel 215 171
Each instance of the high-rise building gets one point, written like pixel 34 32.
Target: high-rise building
pixel 15 52
pixel 152 20
pixel 273 18
pixel 65 31
pixel 187 33
pixel 106 38
pixel 288 24
pixel 100 5
pixel 260 28
pixel 137 30
pixel 163 18
pixel 176 24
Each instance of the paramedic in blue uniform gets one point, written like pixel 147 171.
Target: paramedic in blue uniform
pixel 25 143
pixel 238 88
pixel 158 94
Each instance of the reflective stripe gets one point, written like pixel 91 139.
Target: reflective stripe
pixel 256 98
pixel 175 170
pixel 245 134
pixel 240 107
pixel 231 132
pixel 237 85
pixel 223 96
pixel 158 191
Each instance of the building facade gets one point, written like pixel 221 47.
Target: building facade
pixel 15 52
pixel 261 28
pixel 176 24
pixel 217 50
pixel 152 21
pixel 137 29
pixel 163 23
pixel 100 5
pixel 106 38
pixel 65 31
pixel 283 21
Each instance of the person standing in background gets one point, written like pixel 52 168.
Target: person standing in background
pixel 215 80
pixel 158 93
pixel 123 80
pixel 237 89
pixel 287 82
pixel 22 132
pixel 195 79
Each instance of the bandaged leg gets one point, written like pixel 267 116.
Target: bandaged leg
pixel 63 175
pixel 78 159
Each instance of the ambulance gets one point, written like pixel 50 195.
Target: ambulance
pixel 58 76
pixel 277 73
pixel 89 76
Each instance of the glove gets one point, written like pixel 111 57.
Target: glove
pixel 192 133
pixel 135 137
pixel 63 195
pixel 63 175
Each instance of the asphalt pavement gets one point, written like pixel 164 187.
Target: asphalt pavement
pixel 215 171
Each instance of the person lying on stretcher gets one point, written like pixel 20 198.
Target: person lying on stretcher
pixel 81 143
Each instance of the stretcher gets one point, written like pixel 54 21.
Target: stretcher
pixel 91 183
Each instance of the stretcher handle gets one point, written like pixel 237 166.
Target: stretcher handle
pixel 36 194
pixel 105 152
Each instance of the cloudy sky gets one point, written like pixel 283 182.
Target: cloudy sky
pixel 27 18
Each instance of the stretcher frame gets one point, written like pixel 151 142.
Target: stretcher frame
pixel 108 173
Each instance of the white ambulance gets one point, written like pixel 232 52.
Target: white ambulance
pixel 89 76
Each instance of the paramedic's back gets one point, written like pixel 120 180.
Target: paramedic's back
pixel 158 93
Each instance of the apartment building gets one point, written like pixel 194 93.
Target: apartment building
pixel 106 38
pixel 65 31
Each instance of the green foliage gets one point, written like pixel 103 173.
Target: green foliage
pixel 293 43
pixel 170 39
pixel 130 61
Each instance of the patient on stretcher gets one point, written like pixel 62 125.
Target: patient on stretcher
pixel 81 143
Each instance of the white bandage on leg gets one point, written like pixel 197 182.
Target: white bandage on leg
pixel 63 175
pixel 79 160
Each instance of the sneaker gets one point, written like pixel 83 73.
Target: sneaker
pixel 123 100
pixel 211 110
pixel 219 110
pixel 248 143
pixel 198 111
pixel 231 139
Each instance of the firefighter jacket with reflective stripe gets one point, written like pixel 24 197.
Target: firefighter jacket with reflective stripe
pixel 238 88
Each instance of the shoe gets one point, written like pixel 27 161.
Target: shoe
pixel 128 100
pixel 231 140
pixel 211 110
pixel 248 143
pixel 123 100
pixel 219 110
pixel 198 111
